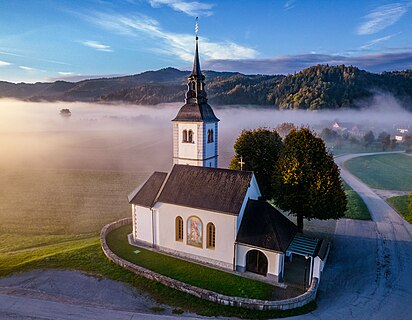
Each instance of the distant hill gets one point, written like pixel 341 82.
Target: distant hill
pixel 317 87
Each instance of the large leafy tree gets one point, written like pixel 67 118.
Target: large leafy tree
pixel 259 150
pixel 307 182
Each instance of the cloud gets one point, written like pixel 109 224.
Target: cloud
pixel 381 18
pixel 78 77
pixel 293 63
pixel 26 68
pixel 191 8
pixel 376 41
pixel 4 63
pixel 63 73
pixel 290 4
pixel 96 45
pixel 169 43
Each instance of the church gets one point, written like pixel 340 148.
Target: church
pixel 207 214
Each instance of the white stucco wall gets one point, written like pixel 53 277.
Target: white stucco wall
pixel 188 149
pixel 199 150
pixel 253 192
pixel 142 224
pixel 225 232
pixel 274 258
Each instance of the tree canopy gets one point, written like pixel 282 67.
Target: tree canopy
pixel 259 150
pixel 307 182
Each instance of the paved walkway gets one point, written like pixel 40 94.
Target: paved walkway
pixel 369 274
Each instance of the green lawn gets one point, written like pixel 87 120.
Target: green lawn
pixel 401 205
pixel 192 273
pixel 356 207
pixel 387 171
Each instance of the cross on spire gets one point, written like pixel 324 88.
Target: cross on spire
pixel 197 27
pixel 241 163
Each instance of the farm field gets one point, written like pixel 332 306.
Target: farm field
pixel 386 171
pixel 47 211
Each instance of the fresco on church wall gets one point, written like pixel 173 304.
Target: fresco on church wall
pixel 194 232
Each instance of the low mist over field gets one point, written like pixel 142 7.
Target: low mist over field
pixel 138 138
pixel 72 174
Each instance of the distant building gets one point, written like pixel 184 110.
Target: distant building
pixel 348 127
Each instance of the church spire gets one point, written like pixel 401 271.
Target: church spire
pixel 196 63
pixel 196 88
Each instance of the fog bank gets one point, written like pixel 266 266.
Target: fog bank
pixel 139 138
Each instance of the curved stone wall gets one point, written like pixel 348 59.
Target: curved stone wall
pixel 256 304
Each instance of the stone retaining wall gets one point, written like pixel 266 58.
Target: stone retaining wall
pixel 203 293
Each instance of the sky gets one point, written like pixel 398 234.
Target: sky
pixel 48 40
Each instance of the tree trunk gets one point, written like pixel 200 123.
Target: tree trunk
pixel 300 222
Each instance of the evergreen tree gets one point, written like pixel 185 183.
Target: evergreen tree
pixel 307 182
pixel 259 150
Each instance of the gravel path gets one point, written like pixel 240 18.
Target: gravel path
pixel 63 294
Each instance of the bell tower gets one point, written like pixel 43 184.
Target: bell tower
pixel 195 128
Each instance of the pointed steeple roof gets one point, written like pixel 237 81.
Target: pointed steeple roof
pixel 196 108
pixel 196 63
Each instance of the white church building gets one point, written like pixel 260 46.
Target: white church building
pixel 203 213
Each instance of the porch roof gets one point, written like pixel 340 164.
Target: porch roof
pixel 303 246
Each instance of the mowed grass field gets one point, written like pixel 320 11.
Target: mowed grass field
pixel 385 171
pixel 43 212
pixel 401 204
pixel 356 209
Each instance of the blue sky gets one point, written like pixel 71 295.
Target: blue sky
pixel 44 40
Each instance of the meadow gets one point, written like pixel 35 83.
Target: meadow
pixel 384 171
pixel 401 204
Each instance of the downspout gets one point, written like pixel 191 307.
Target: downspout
pixel 153 228
pixel 234 256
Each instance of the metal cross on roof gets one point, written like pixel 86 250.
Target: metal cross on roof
pixel 241 163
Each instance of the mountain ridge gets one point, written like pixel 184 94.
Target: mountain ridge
pixel 314 88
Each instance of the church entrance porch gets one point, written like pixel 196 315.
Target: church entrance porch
pixel 256 262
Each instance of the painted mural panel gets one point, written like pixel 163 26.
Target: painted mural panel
pixel 194 232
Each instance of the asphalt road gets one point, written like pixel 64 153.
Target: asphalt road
pixel 368 275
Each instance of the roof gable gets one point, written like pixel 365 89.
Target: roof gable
pixel 265 227
pixel 146 194
pixel 220 190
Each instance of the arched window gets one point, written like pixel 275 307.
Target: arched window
pixel 190 136
pixel 210 136
pixel 184 135
pixel 179 229
pixel 210 236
